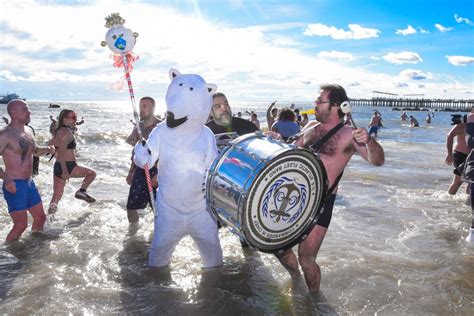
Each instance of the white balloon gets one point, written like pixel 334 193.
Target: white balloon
pixel 120 40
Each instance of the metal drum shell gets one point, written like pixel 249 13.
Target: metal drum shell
pixel 233 173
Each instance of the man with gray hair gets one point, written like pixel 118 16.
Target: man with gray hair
pixel 223 121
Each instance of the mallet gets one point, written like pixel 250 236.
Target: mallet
pixel 347 109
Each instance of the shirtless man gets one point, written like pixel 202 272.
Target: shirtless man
pixel 335 155
pixel 17 147
pixel 457 155
pixel 375 124
pixel 138 196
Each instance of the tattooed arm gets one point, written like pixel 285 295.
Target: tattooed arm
pixel 7 181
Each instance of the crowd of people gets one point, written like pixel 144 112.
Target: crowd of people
pixel 331 136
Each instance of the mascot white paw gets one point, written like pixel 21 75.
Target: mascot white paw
pixel 184 149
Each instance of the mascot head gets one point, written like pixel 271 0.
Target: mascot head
pixel 188 101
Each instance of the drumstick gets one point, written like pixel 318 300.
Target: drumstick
pixel 347 109
pixel 300 134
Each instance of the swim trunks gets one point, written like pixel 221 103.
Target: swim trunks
pixel 458 159
pixel 25 197
pixel 326 212
pixel 138 197
pixel 58 170
pixel 373 130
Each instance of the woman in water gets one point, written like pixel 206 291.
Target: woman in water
pixel 286 125
pixel 65 166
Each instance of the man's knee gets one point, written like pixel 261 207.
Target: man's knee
pixel 306 260
pixel 40 218
pixel 20 227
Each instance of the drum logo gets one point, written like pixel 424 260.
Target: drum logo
pixel 285 200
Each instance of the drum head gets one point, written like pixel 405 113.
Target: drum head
pixel 284 200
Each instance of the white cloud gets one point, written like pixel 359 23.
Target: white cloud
pixel 460 60
pixel 442 29
pixel 422 31
pixel 355 31
pixel 407 31
pixel 413 74
pixel 405 57
pixel 343 56
pixel 462 20
pixel 374 58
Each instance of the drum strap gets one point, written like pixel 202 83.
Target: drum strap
pixel 317 145
pixel 334 185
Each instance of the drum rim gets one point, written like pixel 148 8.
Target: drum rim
pixel 311 224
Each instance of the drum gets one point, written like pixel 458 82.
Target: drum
pixel 269 193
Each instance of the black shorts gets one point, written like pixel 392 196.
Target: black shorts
pixel 36 162
pixel 326 212
pixel 138 197
pixel 58 170
pixel 458 159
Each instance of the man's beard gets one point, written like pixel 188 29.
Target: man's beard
pixel 145 117
pixel 224 119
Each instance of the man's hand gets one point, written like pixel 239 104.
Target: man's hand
pixel 51 150
pixel 130 177
pixel 9 184
pixel 449 159
pixel 154 181
pixel 274 135
pixel 361 135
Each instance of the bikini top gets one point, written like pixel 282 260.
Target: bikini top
pixel 72 144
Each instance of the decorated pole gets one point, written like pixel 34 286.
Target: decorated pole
pixel 121 41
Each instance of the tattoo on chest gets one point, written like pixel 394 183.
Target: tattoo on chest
pixel 24 147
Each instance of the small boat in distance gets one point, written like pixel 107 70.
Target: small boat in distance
pixel 54 106
pixel 4 99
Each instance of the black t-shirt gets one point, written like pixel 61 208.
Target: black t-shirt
pixel 238 125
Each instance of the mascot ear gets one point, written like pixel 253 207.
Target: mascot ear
pixel 212 88
pixel 173 73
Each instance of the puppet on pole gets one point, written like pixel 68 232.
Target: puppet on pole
pixel 121 42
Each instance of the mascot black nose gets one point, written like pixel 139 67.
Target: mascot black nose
pixel 171 122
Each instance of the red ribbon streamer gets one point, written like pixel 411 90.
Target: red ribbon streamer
pixel 118 62
pixel 131 58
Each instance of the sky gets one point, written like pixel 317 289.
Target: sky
pixel 252 50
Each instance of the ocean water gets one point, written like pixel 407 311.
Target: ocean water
pixel 395 245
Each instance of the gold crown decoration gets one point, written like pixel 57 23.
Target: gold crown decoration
pixel 114 19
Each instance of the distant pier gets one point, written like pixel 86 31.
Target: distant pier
pixel 414 102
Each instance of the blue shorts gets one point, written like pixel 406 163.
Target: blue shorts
pixel 373 130
pixel 25 197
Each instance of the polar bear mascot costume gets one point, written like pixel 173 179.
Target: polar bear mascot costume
pixel 184 148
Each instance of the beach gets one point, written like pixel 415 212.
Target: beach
pixel 396 244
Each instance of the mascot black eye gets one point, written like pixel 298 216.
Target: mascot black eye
pixel 114 37
pixel 191 89
pixel 180 84
pixel 121 35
